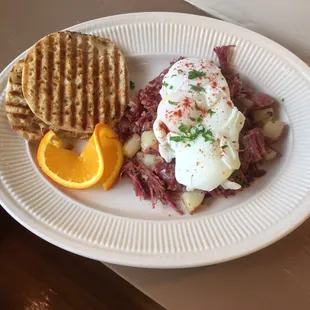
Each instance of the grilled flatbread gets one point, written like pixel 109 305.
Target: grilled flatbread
pixel 21 118
pixel 73 81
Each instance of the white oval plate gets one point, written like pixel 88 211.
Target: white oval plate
pixel 116 226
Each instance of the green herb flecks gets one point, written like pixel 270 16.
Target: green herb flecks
pixel 242 182
pixel 235 172
pixel 195 74
pixel 178 138
pixel 197 88
pixel 132 85
pixel 198 119
pixel 191 133
pixel 173 75
pixel 165 84
pixel 172 102
pixel 211 112
pixel 180 71
pixel 224 146
pixel 183 128
pixel 208 136
pixel 171 87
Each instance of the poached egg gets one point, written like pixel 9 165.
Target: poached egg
pixel 198 125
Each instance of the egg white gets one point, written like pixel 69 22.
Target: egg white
pixel 200 102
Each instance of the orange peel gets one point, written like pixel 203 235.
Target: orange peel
pixel 100 161
pixel 67 168
pixel 113 157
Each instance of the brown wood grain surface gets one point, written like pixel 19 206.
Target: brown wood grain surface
pixel 35 275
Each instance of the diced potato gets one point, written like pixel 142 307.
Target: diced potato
pixel 273 130
pixel 148 140
pixel 270 154
pixel 192 200
pixel 132 145
pixel 263 116
pixel 148 159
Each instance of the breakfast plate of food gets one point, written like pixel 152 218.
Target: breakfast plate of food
pixel 156 140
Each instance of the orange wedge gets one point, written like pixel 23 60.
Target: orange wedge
pixel 113 157
pixel 67 168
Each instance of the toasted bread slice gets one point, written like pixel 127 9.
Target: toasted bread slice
pixel 21 118
pixel 73 81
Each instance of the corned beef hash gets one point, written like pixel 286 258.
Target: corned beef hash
pixel 196 131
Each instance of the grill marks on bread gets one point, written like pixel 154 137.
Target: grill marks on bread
pixel 20 116
pixel 72 81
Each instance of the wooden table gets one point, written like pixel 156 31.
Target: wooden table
pixel 275 278
pixel 35 275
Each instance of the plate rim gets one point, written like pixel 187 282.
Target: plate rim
pixel 46 233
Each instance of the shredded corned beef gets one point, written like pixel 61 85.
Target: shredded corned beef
pixel 232 78
pixel 248 99
pixel 253 101
pixel 161 183
pixel 151 150
pixel 218 192
pixel 148 184
pixel 262 101
pixel 222 52
pixel 254 146
pixel 142 109
pixel 166 171
pixel 245 175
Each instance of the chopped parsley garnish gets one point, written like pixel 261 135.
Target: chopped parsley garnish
pixel 197 88
pixel 188 145
pixel 235 172
pixel 132 85
pixel 195 74
pixel 178 138
pixel 165 84
pixel 180 71
pixel 171 87
pixel 242 182
pixel 191 133
pixel 182 128
pixel 198 119
pixel 234 142
pixel 196 106
pixel 172 102
pixel 224 146
pixel 211 112
pixel 173 75
pixel 208 136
